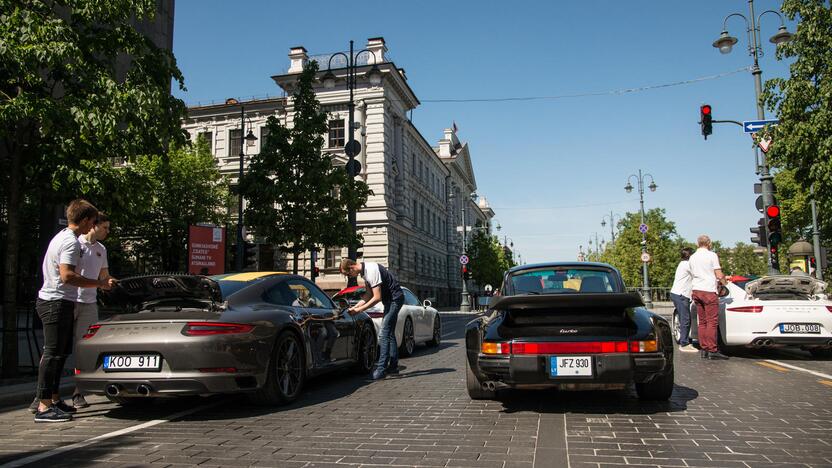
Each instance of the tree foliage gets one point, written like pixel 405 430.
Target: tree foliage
pixel 295 197
pixel 488 259
pixel 802 147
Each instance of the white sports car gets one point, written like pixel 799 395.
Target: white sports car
pixel 773 311
pixel 418 322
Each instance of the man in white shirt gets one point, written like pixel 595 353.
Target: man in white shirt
pixel 93 265
pixel 56 305
pixel 707 273
pixel 680 295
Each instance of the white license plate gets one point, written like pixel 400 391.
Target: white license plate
pixel 799 328
pixel 146 362
pixel 570 366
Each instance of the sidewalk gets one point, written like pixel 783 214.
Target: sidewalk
pixel 21 394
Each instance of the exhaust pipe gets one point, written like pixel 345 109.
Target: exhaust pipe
pixel 112 390
pixel 489 386
pixel 143 390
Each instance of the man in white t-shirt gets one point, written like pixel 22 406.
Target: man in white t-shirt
pixel 93 265
pixel 680 295
pixel 56 306
pixel 707 274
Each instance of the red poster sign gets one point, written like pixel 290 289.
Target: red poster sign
pixel 206 250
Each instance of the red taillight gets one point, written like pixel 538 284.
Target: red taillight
pixel 572 347
pixel 829 308
pixel 77 371
pixel 91 331
pixel 751 309
pixel 215 328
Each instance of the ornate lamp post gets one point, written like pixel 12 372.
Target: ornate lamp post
pixel 612 218
pixel 249 139
pixel 645 292
pixel 352 147
pixel 725 43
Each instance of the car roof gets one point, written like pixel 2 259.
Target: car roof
pixel 247 275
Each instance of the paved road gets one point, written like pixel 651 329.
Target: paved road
pixel 754 410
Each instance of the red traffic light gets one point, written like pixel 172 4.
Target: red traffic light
pixel 705 109
pixel 773 211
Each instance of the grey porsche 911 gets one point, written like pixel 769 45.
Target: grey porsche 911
pixel 263 333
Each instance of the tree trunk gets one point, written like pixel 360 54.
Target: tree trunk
pixel 10 267
pixel 295 254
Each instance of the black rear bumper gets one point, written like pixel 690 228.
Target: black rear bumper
pixel 615 368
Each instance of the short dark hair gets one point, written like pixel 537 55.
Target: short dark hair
pixel 346 264
pixel 102 218
pixel 79 210
pixel 686 252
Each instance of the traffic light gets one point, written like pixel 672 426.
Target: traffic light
pixel 466 272
pixel 760 235
pixel 250 255
pixel 705 120
pixel 315 273
pixel 775 236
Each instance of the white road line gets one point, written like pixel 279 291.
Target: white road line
pixel 818 374
pixel 88 442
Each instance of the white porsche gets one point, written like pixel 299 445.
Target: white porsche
pixel 418 322
pixel 772 312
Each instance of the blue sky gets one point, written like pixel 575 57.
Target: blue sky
pixel 550 168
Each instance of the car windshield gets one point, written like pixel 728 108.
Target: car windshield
pixel 564 280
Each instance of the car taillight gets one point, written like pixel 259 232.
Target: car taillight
pixel 829 308
pixel 215 328
pixel 572 347
pixel 752 309
pixel 91 331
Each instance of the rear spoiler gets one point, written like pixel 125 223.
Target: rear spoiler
pixel 549 301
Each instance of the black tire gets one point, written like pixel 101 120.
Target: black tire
pixel 286 375
pixel 408 339
pixel 474 386
pixel 131 401
pixel 821 353
pixel 367 351
pixel 658 389
pixel 437 332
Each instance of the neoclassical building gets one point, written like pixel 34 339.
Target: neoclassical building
pixel 413 221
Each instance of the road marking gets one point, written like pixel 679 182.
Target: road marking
pixel 826 382
pixel 110 435
pixel 817 374
pixel 773 366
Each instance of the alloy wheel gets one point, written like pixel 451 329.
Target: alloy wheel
pixel 409 339
pixel 289 368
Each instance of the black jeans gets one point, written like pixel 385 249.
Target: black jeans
pixel 58 326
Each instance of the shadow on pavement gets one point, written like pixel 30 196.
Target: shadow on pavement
pixel 593 401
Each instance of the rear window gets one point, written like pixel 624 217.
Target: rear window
pixel 564 281
pixel 230 287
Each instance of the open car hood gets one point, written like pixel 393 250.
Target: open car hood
pixel 140 292
pixel 783 284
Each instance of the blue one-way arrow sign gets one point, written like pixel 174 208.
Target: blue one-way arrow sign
pixel 754 126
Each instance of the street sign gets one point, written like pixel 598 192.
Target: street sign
pixel 488 288
pixel 352 148
pixel 753 126
pixel 643 228
pixel 463 259
pixel 353 167
pixel 645 257
pixel 764 143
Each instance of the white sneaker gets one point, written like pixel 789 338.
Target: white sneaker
pixel 688 348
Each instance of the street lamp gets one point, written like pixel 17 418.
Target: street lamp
pixel 464 305
pixel 599 246
pixel 249 140
pixel 645 292
pixel 725 44
pixel 612 222
pixel 506 244
pixel 352 148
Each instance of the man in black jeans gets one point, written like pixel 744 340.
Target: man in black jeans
pixel 56 306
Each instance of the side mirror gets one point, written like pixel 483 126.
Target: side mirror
pixel 427 303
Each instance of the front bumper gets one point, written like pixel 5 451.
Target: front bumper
pixel 615 368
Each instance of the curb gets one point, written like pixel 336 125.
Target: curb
pixel 22 394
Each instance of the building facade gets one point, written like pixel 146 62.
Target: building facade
pixel 413 221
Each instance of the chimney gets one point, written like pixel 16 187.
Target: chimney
pixel 297 59
pixel 378 48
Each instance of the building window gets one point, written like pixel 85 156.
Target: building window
pixel 415 214
pixel 401 257
pixel 234 136
pixel 336 133
pixel 209 138
pixel 264 132
pixel 333 257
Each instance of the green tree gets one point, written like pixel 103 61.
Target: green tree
pixel 742 260
pixel 802 146
pixel 296 198
pixel 488 259
pixel 663 244
pixel 65 104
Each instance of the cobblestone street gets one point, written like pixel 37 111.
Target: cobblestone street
pixel 746 412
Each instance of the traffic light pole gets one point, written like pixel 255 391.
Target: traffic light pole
pixel 464 305
pixel 816 236
pixel 240 241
